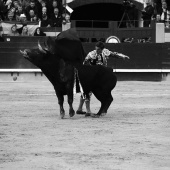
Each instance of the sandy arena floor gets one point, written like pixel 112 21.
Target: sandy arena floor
pixel 134 135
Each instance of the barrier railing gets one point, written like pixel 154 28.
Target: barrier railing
pixel 6 26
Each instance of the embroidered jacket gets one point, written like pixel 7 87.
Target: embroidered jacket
pixel 97 59
pixel 101 59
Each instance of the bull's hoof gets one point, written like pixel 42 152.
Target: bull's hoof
pixel 80 112
pixel 103 114
pixel 88 114
pixel 72 113
pixel 62 115
pixel 95 115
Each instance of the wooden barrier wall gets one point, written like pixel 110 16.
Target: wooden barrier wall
pixel 89 34
pixel 143 55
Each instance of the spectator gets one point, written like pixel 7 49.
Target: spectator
pixel 2 9
pixel 147 14
pixel 56 18
pixel 132 16
pixel 14 31
pixel 158 18
pixel 8 6
pixel 165 14
pixel 154 16
pixel 9 10
pixel 11 15
pixel 18 13
pixel 32 16
pixel 31 7
pixel 45 5
pixel 56 4
pixel 23 18
pixel 66 24
pixel 25 31
pixel 44 11
pixel 25 3
pixel 45 21
pixel 39 7
pixel 39 32
pixel 16 4
pixel 158 7
pixel 21 28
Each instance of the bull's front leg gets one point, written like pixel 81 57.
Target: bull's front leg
pixel 60 102
pixel 70 102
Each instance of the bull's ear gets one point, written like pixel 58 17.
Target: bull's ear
pixel 50 43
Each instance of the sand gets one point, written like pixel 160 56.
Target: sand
pixel 134 135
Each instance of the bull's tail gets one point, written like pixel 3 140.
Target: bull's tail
pixel 77 85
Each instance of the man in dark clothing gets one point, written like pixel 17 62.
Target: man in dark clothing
pixel 147 14
pixel 1 38
pixel 158 7
pixel 2 9
pixel 132 13
pixel 33 7
pixel 56 18
pixel 165 14
pixel 45 21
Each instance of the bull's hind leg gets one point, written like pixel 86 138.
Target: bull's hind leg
pixel 108 103
pixel 70 102
pixel 60 97
pixel 60 102
pixel 105 99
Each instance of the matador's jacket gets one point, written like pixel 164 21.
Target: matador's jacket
pixel 100 59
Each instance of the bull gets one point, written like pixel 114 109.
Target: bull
pixel 66 46
pixel 50 66
pixel 59 59
pixel 99 80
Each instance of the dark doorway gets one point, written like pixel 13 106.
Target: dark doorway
pixel 100 11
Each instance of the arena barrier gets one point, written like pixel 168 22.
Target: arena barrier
pixel 29 75
pixel 148 61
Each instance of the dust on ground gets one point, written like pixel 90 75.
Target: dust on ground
pixel 134 135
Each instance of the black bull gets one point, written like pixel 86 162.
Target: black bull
pixel 58 61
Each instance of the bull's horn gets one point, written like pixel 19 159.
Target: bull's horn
pixel 46 46
pixel 22 52
pixel 40 48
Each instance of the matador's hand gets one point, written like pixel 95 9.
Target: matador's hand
pixel 126 57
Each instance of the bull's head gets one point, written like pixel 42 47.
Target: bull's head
pixel 48 62
pixel 35 56
pixel 40 55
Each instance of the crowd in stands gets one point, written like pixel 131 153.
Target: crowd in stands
pixel 158 10
pixel 50 13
